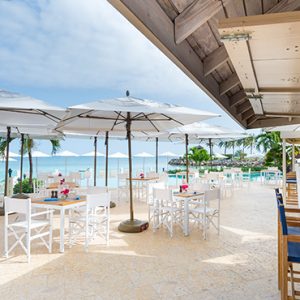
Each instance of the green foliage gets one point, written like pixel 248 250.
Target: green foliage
pixel 198 155
pixel 26 187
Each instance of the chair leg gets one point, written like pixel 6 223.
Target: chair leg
pixel 284 271
pixel 28 244
pixel 292 280
pixel 50 232
pixel 279 246
pixel 6 236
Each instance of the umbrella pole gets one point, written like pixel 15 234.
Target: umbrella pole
pixel 106 159
pixel 210 152
pixel 187 156
pixel 156 159
pixel 21 162
pixel 6 170
pixel 132 225
pixel 95 161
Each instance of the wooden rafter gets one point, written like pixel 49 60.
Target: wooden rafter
pixel 243 107
pixel 237 98
pixel 215 60
pixel 195 15
pixel 285 5
pixel 229 83
pixel 269 122
pixel 247 114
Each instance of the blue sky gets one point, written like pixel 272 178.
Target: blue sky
pixel 72 51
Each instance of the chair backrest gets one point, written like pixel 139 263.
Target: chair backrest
pixel 163 195
pixel 282 216
pixel 152 174
pixel 199 186
pixel 21 206
pixel 96 189
pixel 212 195
pixel 98 200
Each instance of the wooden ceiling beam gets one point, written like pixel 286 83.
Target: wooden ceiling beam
pixel 271 122
pixel 237 98
pixel 247 114
pixel 215 60
pixel 195 15
pixel 252 120
pixel 229 83
pixel 284 5
pixel 243 107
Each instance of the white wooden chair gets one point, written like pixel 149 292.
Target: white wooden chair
pixel 207 212
pixel 167 211
pixel 152 208
pixel 30 228
pixel 93 221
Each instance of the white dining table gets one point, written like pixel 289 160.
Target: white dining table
pixel 62 206
pixel 186 197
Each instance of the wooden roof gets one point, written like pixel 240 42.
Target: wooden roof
pixel 187 32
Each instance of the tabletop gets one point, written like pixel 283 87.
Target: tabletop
pixel 143 179
pixel 189 194
pixel 60 202
pixel 55 185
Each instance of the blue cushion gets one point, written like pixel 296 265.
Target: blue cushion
pixel 294 230
pixel 294 252
pixel 51 199
pixel 291 180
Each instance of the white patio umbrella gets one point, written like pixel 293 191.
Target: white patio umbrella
pixel 66 154
pixel 168 154
pixel 144 155
pixel 195 133
pixel 220 156
pixel 36 155
pixel 13 154
pixel 126 115
pixel 19 110
pixel 92 153
pixel 118 156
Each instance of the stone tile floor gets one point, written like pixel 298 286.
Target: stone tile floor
pixel 241 263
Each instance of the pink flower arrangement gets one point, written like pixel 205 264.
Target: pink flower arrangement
pixel 65 192
pixel 62 181
pixel 185 187
pixel 142 175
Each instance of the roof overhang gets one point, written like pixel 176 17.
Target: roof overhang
pixel 186 31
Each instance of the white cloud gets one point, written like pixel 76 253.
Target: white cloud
pixel 75 44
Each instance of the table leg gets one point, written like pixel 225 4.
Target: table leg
pixel 186 218
pixel 62 231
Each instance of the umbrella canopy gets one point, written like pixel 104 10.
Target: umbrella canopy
pixel 143 155
pixel 126 115
pixel 66 153
pixel 169 154
pixel 111 115
pixel 13 154
pixel 92 153
pixel 9 159
pixel 19 110
pixel 220 156
pixel 118 155
pixel 38 154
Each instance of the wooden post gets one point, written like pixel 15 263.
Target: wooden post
pixel 284 170
pixel 128 125
pixel 7 161
pixel 106 158
pixel 187 156
pixel 156 151
pixel 95 161
pixel 21 163
pixel 293 157
pixel 210 152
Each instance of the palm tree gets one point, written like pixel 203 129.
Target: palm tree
pixel 250 142
pixel 198 155
pixel 225 145
pixel 29 145
pixel 267 140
